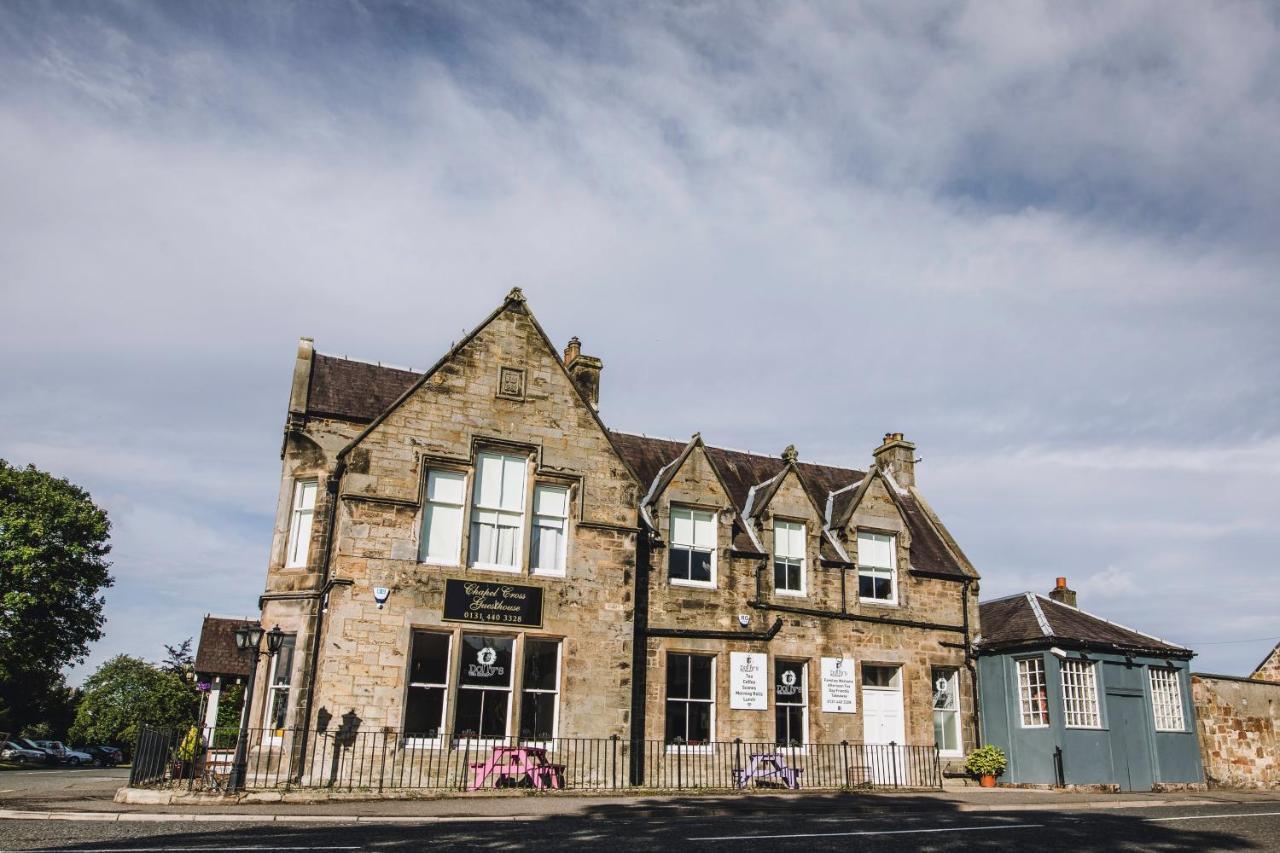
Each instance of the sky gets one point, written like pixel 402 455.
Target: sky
pixel 1040 239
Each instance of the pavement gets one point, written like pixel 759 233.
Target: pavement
pixel 71 810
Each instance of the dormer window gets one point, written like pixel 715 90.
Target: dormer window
pixel 691 550
pixel 497 513
pixel 788 558
pixel 877 568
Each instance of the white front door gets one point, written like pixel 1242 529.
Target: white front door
pixel 883 721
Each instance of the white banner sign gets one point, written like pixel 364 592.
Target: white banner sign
pixel 839 688
pixel 748 680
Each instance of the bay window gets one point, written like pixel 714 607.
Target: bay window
pixel 300 518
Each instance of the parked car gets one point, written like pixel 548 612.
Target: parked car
pixel 19 754
pixel 47 755
pixel 103 756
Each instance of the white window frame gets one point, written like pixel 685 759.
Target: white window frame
pixel 273 735
pixel 438 740
pixel 479 739
pixel 550 522
pixel 1080 694
pixel 790 558
pixel 1032 674
pixel 1166 699
pixel 555 724
pixel 298 545
pixel 424 532
pixel 709 746
pixel 499 513
pixel 693 513
pixel 878 571
pixel 937 673
pixel 803 704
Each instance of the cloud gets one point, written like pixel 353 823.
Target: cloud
pixel 1037 238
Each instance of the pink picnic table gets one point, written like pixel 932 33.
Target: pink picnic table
pixel 517 763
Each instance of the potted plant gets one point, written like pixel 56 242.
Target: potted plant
pixel 986 762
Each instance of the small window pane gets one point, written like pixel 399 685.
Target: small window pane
pixel 788 682
pixel 681 527
pixel 700 566
pixel 445 486
pixel 486 661
pixel 489 481
pixel 700 677
pixel 424 711
pixel 704 530
pixel 442 532
pixel 540 660
pixel 513 483
pixel 307 495
pixel 538 716
pixel 551 500
pixel 430 663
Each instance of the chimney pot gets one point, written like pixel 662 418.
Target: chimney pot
pixel 584 370
pixel 1062 593
pixel 572 350
pixel 898 457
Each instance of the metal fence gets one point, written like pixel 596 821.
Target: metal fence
pixel 388 761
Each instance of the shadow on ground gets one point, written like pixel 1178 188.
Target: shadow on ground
pixel 833 821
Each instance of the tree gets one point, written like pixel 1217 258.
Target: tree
pixel 53 568
pixel 125 691
pixel 178 659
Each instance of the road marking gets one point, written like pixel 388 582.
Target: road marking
pixel 866 832
pixel 1212 816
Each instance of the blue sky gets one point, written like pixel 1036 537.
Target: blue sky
pixel 1039 239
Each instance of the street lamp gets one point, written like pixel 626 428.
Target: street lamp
pixel 249 639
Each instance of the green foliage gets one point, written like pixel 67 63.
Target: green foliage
pixel 986 760
pixel 125 691
pixel 191 745
pixel 229 705
pixel 53 567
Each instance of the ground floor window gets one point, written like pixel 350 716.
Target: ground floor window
pixel 946 710
pixel 1033 699
pixel 1166 700
pixel 428 685
pixel 790 702
pixel 540 689
pixel 1080 695
pixel 281 679
pixel 484 686
pixel 690 698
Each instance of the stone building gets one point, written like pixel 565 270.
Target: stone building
pixel 1269 669
pixel 471 552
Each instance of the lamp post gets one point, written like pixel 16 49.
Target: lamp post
pixel 248 640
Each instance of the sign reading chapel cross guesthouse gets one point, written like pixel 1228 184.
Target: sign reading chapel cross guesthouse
pixel 492 603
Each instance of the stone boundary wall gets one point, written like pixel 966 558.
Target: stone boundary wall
pixel 1239 723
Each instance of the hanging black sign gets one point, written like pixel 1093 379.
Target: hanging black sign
pixel 492 603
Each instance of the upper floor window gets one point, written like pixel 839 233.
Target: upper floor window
pixel 788 557
pixel 1033 697
pixel 304 508
pixel 692 547
pixel 877 568
pixel 442 518
pixel 1080 695
pixel 497 514
pixel 550 529
pixel 1166 700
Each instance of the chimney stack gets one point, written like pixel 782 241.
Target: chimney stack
pixel 585 371
pixel 898 457
pixel 1062 594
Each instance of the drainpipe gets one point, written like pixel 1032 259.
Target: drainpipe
pixel 334 488
pixel 969 665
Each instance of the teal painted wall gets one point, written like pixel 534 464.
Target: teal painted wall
pixel 1089 756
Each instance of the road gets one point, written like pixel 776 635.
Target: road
pixel 714 824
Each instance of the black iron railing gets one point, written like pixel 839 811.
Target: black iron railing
pixel 390 761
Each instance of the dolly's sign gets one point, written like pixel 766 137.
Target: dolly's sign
pixel 492 603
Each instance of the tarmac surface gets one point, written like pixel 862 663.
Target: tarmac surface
pixel 71 810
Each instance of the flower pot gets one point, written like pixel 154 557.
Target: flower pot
pixel 987 780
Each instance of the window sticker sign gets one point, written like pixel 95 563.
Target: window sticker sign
pixel 839 688
pixel 748 681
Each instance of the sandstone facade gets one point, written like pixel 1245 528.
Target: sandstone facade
pixel 368 436
pixel 1239 730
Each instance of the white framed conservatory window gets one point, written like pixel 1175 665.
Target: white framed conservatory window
pixel 1080 695
pixel 1033 695
pixel 441 540
pixel 877 568
pixel 946 710
pixel 691 552
pixel 550 530
pixel 788 558
pixel 300 518
pixel 1166 699
pixel 497 512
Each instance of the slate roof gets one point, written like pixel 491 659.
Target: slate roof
pixel 217 654
pixel 740 471
pixel 1029 619
pixel 354 390
pixel 358 391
